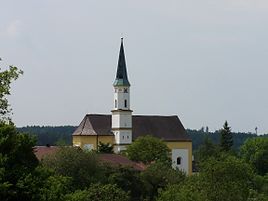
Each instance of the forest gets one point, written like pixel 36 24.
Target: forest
pixel 53 135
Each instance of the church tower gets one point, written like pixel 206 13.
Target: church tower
pixel 121 113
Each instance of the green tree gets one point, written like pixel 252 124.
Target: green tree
pixel 183 192
pixel 43 184
pixel 73 162
pixel 158 176
pixel 99 192
pixel 17 159
pixel 261 184
pixel 226 141
pixel 6 78
pixel 126 178
pixel 226 178
pixel 255 152
pixel 206 150
pixel 105 148
pixel 147 149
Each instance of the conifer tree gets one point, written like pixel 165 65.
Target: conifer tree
pixel 226 142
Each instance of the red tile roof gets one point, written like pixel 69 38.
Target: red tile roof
pixel 112 159
pixel 42 151
pixel 116 159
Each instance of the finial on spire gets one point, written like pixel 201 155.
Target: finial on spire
pixel 122 39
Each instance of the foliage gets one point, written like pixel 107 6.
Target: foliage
pixel 261 184
pixel 73 162
pixel 16 158
pixel 105 148
pixel 18 150
pixel 158 176
pixel 206 150
pixel 99 192
pixel 226 178
pixel 6 78
pixel 43 185
pixel 226 141
pixel 255 152
pixel 51 135
pixel 183 192
pixel 198 138
pixel 147 149
pixel 128 179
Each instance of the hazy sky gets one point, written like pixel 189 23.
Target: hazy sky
pixel 205 61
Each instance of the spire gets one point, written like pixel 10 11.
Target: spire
pixel 121 74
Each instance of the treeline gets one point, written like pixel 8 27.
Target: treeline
pixel 199 136
pixel 53 135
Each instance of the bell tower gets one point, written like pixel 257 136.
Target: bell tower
pixel 121 113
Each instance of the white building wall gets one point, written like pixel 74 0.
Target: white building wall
pixel 119 98
pixel 123 136
pixel 122 120
pixel 184 155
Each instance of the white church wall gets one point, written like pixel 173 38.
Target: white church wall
pixel 120 97
pixel 182 156
pixel 123 136
pixel 122 120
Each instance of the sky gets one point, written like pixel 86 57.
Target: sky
pixel 205 61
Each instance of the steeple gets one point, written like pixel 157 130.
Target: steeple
pixel 121 112
pixel 121 74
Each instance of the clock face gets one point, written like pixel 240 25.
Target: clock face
pixel 125 90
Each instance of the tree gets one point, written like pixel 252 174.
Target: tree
pixel 128 179
pixel 73 162
pixel 17 159
pixel 255 152
pixel 158 176
pixel 105 148
pixel 206 150
pixel 43 184
pixel 226 141
pixel 183 192
pixel 6 78
pixel 99 192
pixel 147 149
pixel 226 178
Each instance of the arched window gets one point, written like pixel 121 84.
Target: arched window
pixel 115 103
pixel 178 160
pixel 125 103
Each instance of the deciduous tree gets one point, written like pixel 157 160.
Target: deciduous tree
pixel 6 78
pixel 99 192
pixel 147 149
pixel 73 162
pixel 255 152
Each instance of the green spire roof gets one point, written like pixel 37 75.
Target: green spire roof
pixel 121 74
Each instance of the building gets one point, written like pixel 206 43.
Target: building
pixel 121 128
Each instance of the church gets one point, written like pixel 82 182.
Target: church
pixel 121 128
